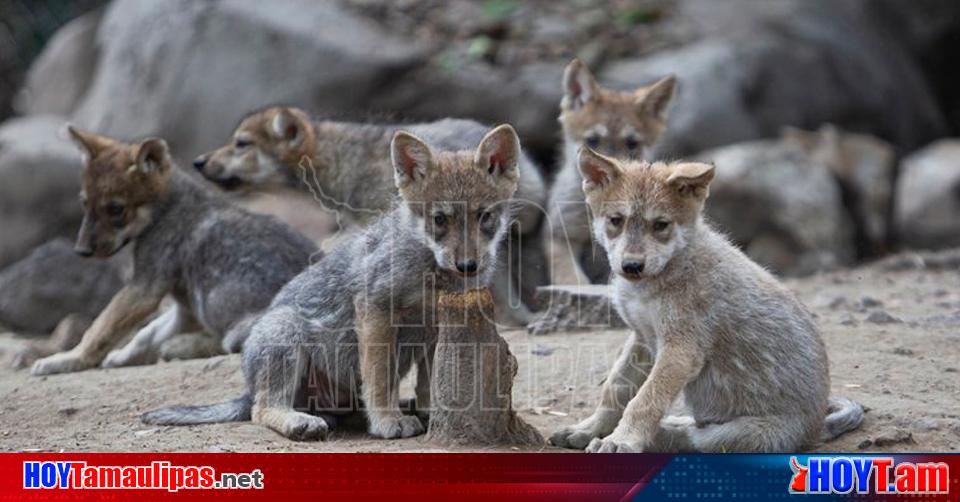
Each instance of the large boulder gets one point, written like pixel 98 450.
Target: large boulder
pixel 59 77
pixel 781 206
pixel 189 71
pixel 52 282
pixel 824 62
pixel 864 168
pixel 928 197
pixel 39 183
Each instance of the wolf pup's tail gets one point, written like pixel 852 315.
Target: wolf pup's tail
pixel 237 410
pixel 843 415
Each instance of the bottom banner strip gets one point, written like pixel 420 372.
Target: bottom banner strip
pixel 293 477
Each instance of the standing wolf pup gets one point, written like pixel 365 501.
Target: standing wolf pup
pixel 221 264
pixel 618 124
pixel 365 313
pixel 348 168
pixel 743 350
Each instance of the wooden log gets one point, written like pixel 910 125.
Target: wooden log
pixel 472 381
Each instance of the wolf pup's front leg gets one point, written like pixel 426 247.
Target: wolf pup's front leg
pixel 626 376
pixel 128 308
pixel 377 346
pixel 678 362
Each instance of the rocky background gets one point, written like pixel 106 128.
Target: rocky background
pixel 832 123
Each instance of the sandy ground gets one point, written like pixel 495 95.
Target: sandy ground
pixel 893 340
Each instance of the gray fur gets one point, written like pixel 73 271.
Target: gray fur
pixel 396 266
pixel 722 331
pixel 235 410
pixel 220 262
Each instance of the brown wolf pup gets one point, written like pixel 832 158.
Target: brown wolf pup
pixel 347 167
pixel 220 263
pixel 745 353
pixel 621 124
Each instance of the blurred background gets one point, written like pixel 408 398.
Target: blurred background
pixel 830 121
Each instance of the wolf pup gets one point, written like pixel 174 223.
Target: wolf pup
pixel 743 350
pixel 618 124
pixel 364 314
pixel 221 264
pixel 347 167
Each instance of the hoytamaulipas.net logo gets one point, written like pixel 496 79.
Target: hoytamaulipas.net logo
pixel 159 475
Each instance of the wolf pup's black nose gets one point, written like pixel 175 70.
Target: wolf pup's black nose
pixel 199 162
pixel 633 267
pixel 467 266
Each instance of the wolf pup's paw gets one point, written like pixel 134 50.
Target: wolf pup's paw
pixel 392 427
pixel 616 443
pixel 125 357
pixel 578 436
pixel 64 362
pixel 304 427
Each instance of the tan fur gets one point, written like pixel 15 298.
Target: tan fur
pixel 118 175
pixel 622 124
pixel 128 309
pixel 258 134
pixel 721 330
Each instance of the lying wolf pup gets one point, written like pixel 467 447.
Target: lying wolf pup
pixel 221 264
pixel 742 349
pixel 364 314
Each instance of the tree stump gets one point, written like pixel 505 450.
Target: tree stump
pixel 472 382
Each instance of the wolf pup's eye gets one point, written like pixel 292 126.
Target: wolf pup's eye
pixel 660 225
pixel 440 220
pixel 484 216
pixel 615 220
pixel 593 141
pixel 242 143
pixel 114 209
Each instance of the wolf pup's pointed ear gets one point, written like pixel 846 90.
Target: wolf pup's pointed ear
pixel 153 156
pixel 412 158
pixel 499 153
pixel 579 86
pixel 654 99
pixel 90 143
pixel 598 171
pixel 692 179
pixel 287 126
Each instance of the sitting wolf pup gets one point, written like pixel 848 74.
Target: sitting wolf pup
pixel 743 350
pixel 221 264
pixel 365 313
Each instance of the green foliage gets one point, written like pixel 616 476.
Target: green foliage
pixel 499 9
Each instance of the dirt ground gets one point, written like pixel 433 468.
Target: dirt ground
pixel 893 340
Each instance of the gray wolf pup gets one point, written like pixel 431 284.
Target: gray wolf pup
pixel 220 263
pixel 362 316
pixel 347 167
pixel 741 348
pixel 621 124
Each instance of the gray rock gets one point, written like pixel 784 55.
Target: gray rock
pixel 804 65
pixel 572 307
pixel 863 167
pixel 188 71
pixel 40 173
pixel 925 425
pixel 52 282
pixel 59 76
pixel 882 317
pixel 847 319
pixel 781 206
pixel 928 197
pixel 893 437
